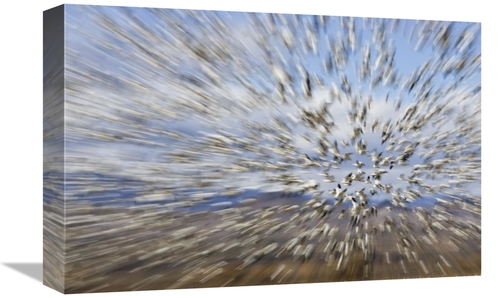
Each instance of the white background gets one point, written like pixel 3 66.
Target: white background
pixel 21 145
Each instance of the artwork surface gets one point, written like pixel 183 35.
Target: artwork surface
pixel 188 149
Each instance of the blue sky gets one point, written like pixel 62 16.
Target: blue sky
pixel 124 82
pixel 407 58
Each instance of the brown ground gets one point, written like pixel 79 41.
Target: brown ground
pixel 105 253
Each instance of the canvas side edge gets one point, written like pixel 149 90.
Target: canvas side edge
pixel 53 148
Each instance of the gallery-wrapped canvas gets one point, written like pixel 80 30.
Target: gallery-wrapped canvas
pixel 193 149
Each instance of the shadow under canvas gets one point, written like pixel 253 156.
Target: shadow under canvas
pixel 33 270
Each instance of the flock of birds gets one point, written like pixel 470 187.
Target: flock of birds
pixel 200 102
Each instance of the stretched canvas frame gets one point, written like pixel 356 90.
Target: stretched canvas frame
pixel 134 114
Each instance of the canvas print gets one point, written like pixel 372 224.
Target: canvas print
pixel 190 148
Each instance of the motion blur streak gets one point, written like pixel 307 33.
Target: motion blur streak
pixel 209 148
